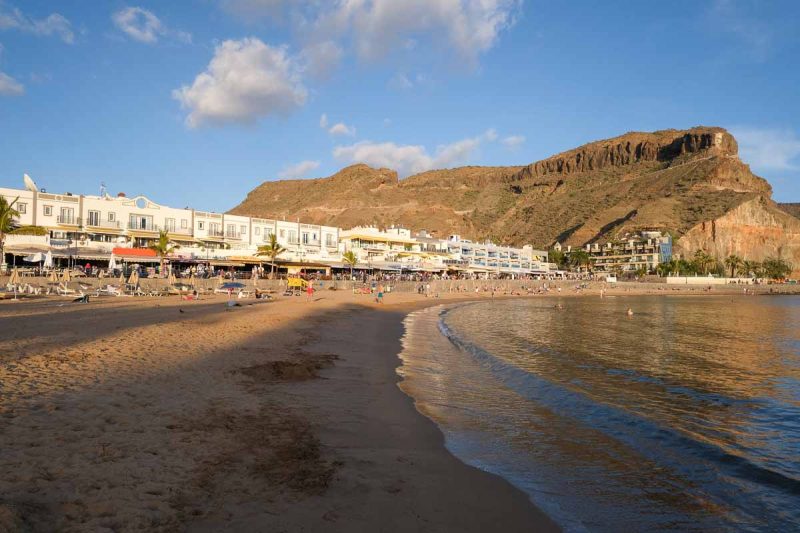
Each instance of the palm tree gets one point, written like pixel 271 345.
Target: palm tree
pixel 734 262
pixel 580 258
pixel 703 261
pixel 163 247
pixel 349 258
pixel 273 249
pixel 7 224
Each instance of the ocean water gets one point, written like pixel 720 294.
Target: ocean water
pixel 684 416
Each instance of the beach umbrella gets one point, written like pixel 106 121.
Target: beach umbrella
pixel 48 259
pixel 171 279
pixel 192 280
pixel 134 279
pixel 52 277
pixel 38 257
pixel 14 277
pixel 65 276
pixel 122 276
pixel 112 263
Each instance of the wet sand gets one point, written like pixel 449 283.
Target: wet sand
pixel 162 415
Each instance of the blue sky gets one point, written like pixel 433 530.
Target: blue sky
pixel 196 103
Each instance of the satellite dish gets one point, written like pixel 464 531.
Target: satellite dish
pixel 29 183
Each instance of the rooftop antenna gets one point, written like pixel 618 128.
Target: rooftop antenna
pixel 103 191
pixel 29 183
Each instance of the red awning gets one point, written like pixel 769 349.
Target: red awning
pixel 134 252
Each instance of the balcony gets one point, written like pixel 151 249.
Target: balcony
pixel 233 235
pixel 180 231
pixel 144 227
pixel 215 233
pixel 68 220
pixel 109 224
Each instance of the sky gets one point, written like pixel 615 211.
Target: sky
pixel 195 103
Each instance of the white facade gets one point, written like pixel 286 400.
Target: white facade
pixel 92 226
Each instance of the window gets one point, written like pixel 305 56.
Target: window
pixel 257 231
pixel 305 237
pixel 200 224
pixel 283 233
pixel 292 237
pixel 242 229
pixel 184 223
pixel 93 218
pixel 22 208
pixel 328 240
pixel 170 224
pixel 47 210
pixel 112 216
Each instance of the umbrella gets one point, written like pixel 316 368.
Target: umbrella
pixel 112 263
pixel 48 259
pixel 14 277
pixel 65 276
pixel 192 280
pixel 134 279
pixel 171 279
pixel 122 276
pixel 232 285
pixel 52 277
pixel 38 257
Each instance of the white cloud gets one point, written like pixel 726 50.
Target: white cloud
pixel 299 170
pixel 323 121
pixel 768 148
pixel 400 82
pixel 377 27
pixel 341 128
pixel 9 86
pixel 245 80
pixel 53 24
pixel 512 142
pixel 144 26
pixel 411 159
pixel 321 59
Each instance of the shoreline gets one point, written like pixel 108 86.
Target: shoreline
pixel 287 415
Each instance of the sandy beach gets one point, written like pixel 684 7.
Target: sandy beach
pixel 160 414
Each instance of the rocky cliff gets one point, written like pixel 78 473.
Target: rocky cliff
pixel 676 180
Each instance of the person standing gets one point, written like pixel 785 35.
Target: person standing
pixel 310 290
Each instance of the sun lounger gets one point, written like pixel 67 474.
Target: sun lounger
pixel 63 290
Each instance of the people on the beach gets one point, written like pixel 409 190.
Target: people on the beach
pixel 629 312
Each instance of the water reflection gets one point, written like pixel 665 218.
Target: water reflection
pixel 683 416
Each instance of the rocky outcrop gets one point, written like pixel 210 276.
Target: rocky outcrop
pixel 632 148
pixel 756 230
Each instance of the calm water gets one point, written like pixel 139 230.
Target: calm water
pixel 685 416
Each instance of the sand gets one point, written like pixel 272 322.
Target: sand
pixel 159 414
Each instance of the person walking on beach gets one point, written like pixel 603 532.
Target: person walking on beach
pixel 379 298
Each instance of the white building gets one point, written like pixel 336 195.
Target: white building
pixel 93 227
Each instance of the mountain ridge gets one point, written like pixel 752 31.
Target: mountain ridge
pixel 670 180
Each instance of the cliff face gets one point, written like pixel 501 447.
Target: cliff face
pixel 756 229
pixel 670 180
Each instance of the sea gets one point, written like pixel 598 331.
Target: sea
pixel 682 416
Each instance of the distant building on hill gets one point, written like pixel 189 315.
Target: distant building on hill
pixel 630 253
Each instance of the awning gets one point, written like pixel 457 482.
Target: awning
pixel 378 238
